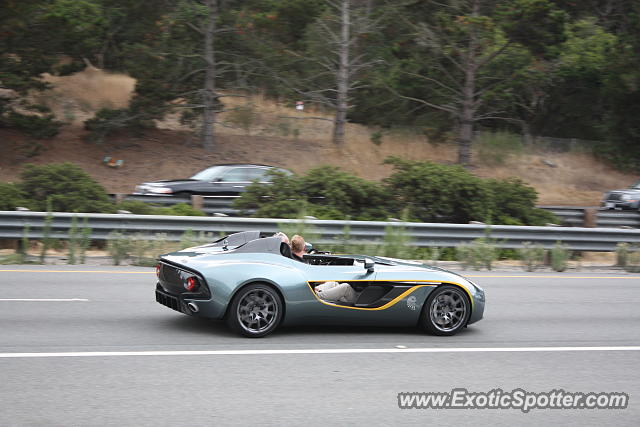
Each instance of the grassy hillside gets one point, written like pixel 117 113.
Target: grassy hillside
pixel 260 130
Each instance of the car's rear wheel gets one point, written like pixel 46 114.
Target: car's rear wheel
pixel 255 311
pixel 446 311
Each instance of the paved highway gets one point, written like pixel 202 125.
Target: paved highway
pixel 89 346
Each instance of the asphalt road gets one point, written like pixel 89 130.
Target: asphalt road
pixel 540 333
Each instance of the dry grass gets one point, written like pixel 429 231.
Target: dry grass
pixel 77 97
pixel 576 179
pixel 269 118
pixel 258 129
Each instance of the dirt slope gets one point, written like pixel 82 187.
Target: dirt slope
pixel 269 132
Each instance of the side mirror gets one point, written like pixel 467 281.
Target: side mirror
pixel 308 248
pixel 369 265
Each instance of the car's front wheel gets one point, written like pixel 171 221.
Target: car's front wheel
pixel 446 311
pixel 255 311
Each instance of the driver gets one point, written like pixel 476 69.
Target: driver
pixel 298 248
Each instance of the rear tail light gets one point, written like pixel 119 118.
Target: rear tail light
pixel 191 284
pixel 158 267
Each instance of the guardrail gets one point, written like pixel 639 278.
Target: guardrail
pixel 572 216
pixel 211 205
pixel 12 226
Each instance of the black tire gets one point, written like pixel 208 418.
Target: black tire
pixel 446 311
pixel 255 311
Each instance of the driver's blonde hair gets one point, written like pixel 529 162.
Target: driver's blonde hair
pixel 297 243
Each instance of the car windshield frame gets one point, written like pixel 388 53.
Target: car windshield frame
pixel 209 174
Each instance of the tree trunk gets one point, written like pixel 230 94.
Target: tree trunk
pixel 526 134
pixel 467 114
pixel 209 93
pixel 342 79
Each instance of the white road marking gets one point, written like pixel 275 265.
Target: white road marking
pixel 318 351
pixel 45 299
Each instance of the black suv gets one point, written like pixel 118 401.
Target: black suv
pixel 221 180
pixel 623 199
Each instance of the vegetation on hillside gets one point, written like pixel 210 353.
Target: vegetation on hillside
pixel 416 191
pixel 65 187
pixel 536 67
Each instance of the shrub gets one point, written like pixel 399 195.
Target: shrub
pixel 243 117
pixel 107 122
pixel 190 239
pixel 137 207
pixel 11 196
pixel 74 241
pixel 84 240
pixel 397 243
pixel 119 246
pixel 376 137
pixel 141 247
pixel 559 256
pixel 438 193
pixel 180 209
pixel 67 186
pixel 622 254
pixel 633 259
pixel 479 253
pixel 47 241
pixel 325 193
pixel 532 256
pixel 41 127
pixel 514 203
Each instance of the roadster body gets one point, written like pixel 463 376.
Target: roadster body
pixel 252 282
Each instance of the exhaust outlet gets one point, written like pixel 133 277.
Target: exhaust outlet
pixel 193 307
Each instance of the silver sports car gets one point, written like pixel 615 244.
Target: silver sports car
pixel 253 283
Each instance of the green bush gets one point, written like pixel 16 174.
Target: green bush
pixel 559 255
pixel 423 191
pixel 11 196
pixel 514 203
pixel 633 259
pixel 325 193
pixel 479 253
pixel 243 117
pixel 41 127
pixel 180 209
pixel 622 254
pixel 438 193
pixel 137 207
pixel 119 246
pixel 532 256
pixel 67 186
pixel 107 122
pixel 397 243
pixel 74 241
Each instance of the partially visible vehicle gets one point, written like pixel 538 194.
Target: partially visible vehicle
pixel 628 198
pixel 221 180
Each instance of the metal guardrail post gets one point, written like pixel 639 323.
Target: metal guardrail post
pixel 197 202
pixel 590 217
